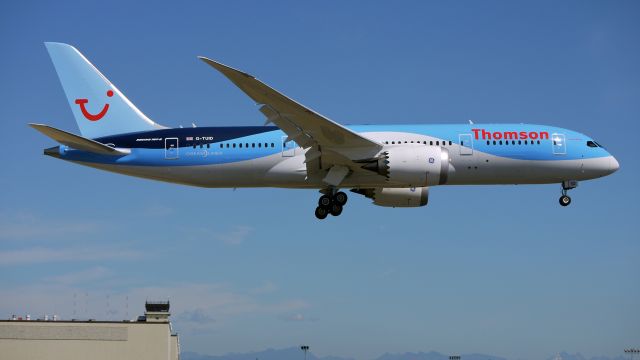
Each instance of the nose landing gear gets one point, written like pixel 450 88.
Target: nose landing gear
pixel 567 185
pixel 331 202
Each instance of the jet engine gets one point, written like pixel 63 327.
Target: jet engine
pixel 397 197
pixel 412 165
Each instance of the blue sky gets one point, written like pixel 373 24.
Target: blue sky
pixel 494 269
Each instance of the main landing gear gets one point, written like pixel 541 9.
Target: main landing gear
pixel 567 185
pixel 331 203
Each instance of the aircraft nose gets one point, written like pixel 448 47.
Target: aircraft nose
pixel 613 164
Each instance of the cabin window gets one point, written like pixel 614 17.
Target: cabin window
pixel 519 142
pixel 538 142
pixel 234 145
pixel 194 145
pixel 221 146
pixel 240 145
pixel 438 142
pixel 273 145
pixel 208 146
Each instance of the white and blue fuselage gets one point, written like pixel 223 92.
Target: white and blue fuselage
pixel 259 156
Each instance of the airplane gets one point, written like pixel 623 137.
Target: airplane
pixel 393 165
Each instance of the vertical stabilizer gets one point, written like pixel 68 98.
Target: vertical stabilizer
pixel 99 107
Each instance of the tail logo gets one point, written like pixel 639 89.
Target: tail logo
pixel 90 116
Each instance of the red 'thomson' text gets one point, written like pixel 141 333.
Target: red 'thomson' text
pixel 510 135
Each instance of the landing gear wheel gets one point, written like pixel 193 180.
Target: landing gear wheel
pixel 565 200
pixel 324 201
pixel 321 213
pixel 336 209
pixel 340 198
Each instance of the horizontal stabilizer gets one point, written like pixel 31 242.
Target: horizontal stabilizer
pixel 78 142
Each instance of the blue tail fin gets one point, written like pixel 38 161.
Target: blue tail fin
pixel 99 107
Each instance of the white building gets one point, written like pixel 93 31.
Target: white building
pixel 150 337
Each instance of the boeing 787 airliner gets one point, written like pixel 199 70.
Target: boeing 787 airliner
pixel 394 165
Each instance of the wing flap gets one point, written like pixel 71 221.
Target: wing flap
pixel 78 142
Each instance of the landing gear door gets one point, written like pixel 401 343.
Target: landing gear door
pixel 559 144
pixel 171 148
pixel 288 147
pixel 466 144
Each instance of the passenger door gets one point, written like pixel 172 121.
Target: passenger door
pixel 559 144
pixel 171 148
pixel 288 147
pixel 466 144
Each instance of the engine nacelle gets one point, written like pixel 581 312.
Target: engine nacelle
pixel 412 165
pixel 397 197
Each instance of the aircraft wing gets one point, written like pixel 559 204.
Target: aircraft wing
pixel 78 142
pixel 301 124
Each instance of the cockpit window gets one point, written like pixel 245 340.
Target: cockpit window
pixel 592 144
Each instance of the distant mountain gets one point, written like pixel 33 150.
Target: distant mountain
pixel 433 355
pixel 577 356
pixel 294 353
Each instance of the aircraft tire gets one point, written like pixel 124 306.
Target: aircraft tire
pixel 325 201
pixel 565 200
pixel 321 212
pixel 340 198
pixel 336 209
